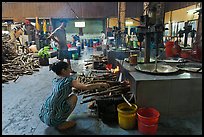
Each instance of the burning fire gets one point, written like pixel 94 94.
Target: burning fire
pixel 115 70
pixel 109 68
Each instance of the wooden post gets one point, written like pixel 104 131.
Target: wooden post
pixel 121 20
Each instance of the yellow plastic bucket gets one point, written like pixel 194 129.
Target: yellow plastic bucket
pixel 127 115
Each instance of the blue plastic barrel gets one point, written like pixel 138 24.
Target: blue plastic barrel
pixel 91 42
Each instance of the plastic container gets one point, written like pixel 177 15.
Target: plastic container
pixel 75 56
pixel 148 115
pixel 127 115
pixel 69 45
pixel 147 129
pixel 176 50
pixel 55 48
pixel 133 59
pixel 44 61
pixel 135 44
pixel 169 48
pixel 185 54
pixel 148 119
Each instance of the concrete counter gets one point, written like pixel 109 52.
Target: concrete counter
pixel 176 94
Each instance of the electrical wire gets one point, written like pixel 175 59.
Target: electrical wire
pixel 72 10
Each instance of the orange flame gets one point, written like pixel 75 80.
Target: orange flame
pixel 115 70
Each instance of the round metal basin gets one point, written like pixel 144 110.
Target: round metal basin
pixel 161 69
pixel 191 67
pixel 140 60
pixel 174 60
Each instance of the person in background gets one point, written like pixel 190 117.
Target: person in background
pixel 103 37
pixel 15 34
pixel 73 41
pixel 60 104
pixel 77 38
pixel 59 36
pixel 103 42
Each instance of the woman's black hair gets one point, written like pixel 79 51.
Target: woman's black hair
pixel 57 67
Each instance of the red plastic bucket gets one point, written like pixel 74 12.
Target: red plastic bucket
pixel 185 54
pixel 148 115
pixel 148 119
pixel 169 48
pixel 147 129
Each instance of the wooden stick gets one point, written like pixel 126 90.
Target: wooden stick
pixel 88 100
pixel 107 91
pixel 103 97
pixel 86 91
pixel 115 95
pixel 16 78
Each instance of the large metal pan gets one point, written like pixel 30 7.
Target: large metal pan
pixel 161 68
pixel 140 60
pixel 191 67
pixel 174 60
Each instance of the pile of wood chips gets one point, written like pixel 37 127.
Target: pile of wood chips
pixel 14 64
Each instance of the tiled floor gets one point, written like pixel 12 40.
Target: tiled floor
pixel 21 102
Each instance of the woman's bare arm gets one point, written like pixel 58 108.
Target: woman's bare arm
pixel 76 84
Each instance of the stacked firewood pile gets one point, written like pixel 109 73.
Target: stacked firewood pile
pixel 97 76
pixel 116 88
pixel 99 57
pixel 15 65
pixel 96 62
pixel 8 50
pixel 111 92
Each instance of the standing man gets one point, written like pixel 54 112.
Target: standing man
pixel 103 37
pixel 15 33
pixel 103 42
pixel 59 36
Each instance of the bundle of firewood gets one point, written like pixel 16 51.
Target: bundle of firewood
pixel 116 88
pixel 96 62
pixel 111 92
pixel 14 64
pixel 99 57
pixel 22 64
pixel 8 49
pixel 97 76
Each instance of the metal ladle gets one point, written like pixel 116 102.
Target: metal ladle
pixel 127 101
pixel 199 69
pixel 156 59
